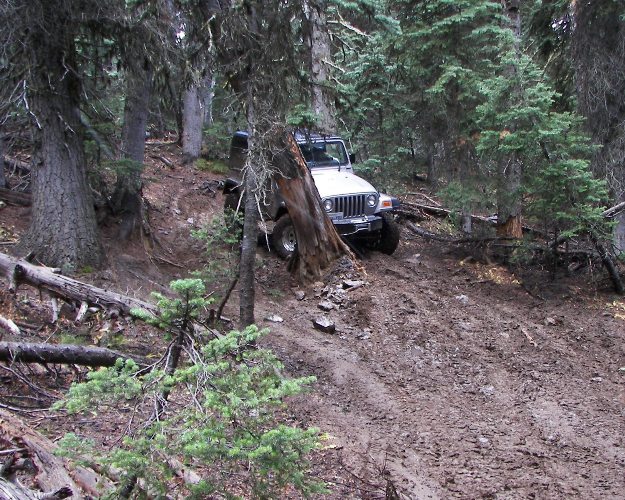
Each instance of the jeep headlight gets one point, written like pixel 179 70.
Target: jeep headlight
pixel 372 200
pixel 328 205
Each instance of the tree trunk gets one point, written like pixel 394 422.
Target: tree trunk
pixel 3 180
pixel 71 354
pixel 510 168
pixel 193 121
pixel 318 243
pixel 619 233
pixel 128 199
pixel 18 271
pixel 319 45
pixel 63 230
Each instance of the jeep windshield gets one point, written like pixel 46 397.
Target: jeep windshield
pixel 324 154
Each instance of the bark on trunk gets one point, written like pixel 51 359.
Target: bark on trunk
pixel 619 232
pixel 318 243
pixel 128 199
pixel 193 121
pixel 63 229
pixel 70 354
pixel 319 45
pixel 21 271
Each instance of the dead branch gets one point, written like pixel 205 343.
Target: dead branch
pixel 616 209
pixel 8 326
pixel 18 165
pixel 20 271
pixel 167 162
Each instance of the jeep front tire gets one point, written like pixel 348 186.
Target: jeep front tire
pixel 389 235
pixel 283 237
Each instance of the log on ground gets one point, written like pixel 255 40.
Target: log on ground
pixel 27 352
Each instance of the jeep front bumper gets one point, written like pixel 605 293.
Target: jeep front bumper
pixel 356 225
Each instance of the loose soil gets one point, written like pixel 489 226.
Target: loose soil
pixel 447 376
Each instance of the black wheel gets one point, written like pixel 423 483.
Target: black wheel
pixel 283 237
pixel 389 236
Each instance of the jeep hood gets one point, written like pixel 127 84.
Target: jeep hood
pixel 334 183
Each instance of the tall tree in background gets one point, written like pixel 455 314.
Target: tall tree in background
pixel 320 53
pixel 510 167
pixel 598 48
pixel 38 41
pixel 127 199
pixel 198 22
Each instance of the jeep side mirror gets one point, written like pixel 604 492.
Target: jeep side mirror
pixel 352 158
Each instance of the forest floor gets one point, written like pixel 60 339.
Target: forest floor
pixel 448 376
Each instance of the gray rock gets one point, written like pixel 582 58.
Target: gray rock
pixel 352 283
pixel 325 305
pixel 299 294
pixel 324 324
pixel 274 318
pixel 463 299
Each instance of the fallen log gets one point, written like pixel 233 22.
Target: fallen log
pixel 428 235
pixel 52 473
pixel 15 197
pixel 19 271
pixel 71 354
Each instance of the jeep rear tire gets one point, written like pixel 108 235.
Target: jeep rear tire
pixel 389 235
pixel 283 237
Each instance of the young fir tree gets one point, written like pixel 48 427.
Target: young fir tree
pixel 221 421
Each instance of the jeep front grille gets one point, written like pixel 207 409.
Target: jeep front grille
pixel 351 206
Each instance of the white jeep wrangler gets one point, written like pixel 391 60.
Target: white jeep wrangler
pixel 358 211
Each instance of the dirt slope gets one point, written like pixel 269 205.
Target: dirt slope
pixel 445 378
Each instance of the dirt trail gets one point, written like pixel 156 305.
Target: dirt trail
pixel 460 382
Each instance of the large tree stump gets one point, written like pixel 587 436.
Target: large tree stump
pixel 318 243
